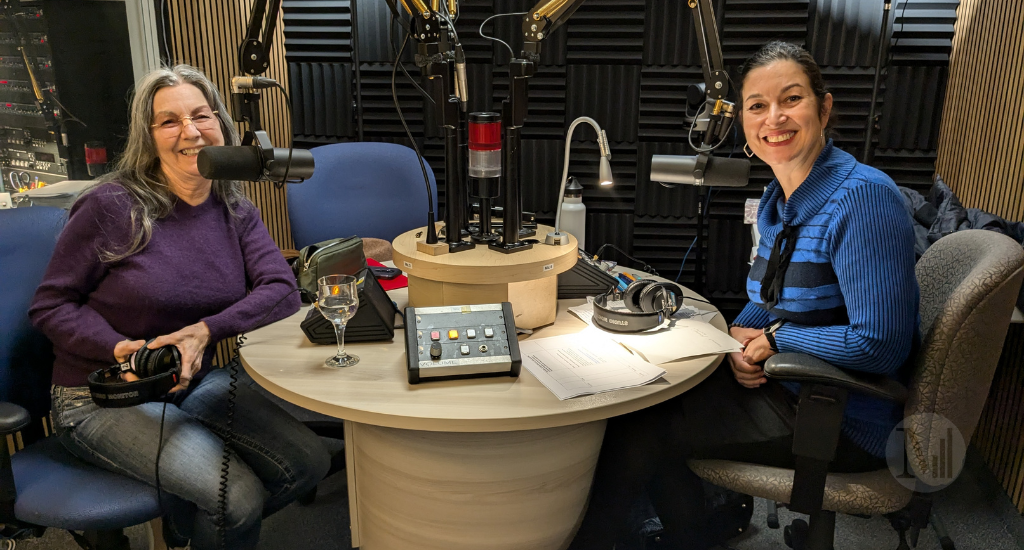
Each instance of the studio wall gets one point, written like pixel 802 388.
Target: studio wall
pixel 627 63
pixel 207 35
pixel 981 157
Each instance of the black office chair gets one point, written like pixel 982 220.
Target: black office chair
pixel 969 281
pixel 43 485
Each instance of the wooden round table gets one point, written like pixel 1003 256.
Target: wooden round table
pixel 496 463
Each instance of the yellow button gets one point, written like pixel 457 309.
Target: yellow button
pixel 453 334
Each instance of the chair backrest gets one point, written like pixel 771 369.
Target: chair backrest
pixel 27 239
pixel 969 281
pixel 365 189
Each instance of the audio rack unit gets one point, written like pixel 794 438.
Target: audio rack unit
pixel 33 143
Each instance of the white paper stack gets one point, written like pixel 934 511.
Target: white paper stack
pixel 585 363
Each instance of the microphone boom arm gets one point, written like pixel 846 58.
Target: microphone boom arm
pixel 254 53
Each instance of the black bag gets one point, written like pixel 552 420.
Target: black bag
pixel 333 257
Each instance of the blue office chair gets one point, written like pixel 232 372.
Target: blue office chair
pixel 44 485
pixel 368 189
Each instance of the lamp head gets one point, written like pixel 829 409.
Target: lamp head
pixel 605 172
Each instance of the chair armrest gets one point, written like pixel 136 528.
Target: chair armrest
pixel 800 367
pixel 12 418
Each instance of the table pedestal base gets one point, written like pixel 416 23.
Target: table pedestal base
pixel 523 490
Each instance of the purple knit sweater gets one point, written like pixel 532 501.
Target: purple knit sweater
pixel 200 265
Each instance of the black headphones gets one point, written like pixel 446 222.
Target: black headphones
pixel 158 371
pixel 648 303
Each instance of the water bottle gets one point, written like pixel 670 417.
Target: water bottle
pixel 574 213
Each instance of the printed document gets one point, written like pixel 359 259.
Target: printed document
pixel 581 364
pixel 677 338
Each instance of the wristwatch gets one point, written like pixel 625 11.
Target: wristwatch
pixel 769 333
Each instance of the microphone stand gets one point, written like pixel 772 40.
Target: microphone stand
pixel 513 114
pixel 433 57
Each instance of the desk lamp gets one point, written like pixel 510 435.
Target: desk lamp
pixel 604 175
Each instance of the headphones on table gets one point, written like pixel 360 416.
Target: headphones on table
pixel 648 304
pixel 158 371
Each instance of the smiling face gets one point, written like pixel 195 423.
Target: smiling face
pixel 782 118
pixel 178 150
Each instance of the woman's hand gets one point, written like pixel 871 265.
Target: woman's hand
pixel 758 350
pixel 191 342
pixel 122 351
pixel 747 374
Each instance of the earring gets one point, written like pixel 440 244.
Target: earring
pixel 746 150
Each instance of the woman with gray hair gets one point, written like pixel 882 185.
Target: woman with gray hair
pixel 157 255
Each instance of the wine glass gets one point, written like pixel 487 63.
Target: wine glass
pixel 338 300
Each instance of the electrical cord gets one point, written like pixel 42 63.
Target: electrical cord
pixel 450 24
pixel 646 267
pixel 163 30
pixel 70 116
pixel 222 491
pixel 291 142
pixel 412 80
pixel 689 135
pixel 401 117
pixel 892 50
pixel 707 205
pixel 496 39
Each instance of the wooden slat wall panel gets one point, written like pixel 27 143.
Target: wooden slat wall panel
pixel 206 35
pixel 1000 434
pixel 981 143
pixel 981 157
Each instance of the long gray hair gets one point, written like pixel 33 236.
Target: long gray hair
pixel 138 169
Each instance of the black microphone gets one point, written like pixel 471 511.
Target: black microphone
pixel 230 163
pixel 250 163
pixel 715 171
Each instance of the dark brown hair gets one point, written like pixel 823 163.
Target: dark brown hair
pixel 778 51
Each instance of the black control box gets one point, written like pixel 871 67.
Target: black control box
pixel 471 341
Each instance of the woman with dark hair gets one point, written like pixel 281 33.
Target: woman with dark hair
pixel 157 252
pixel 833 277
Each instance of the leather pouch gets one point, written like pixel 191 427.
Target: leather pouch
pixel 333 257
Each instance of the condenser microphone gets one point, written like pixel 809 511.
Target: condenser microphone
pixel 251 163
pixel 240 83
pixel 702 169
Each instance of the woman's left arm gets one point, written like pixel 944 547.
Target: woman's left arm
pixel 270 278
pixel 872 246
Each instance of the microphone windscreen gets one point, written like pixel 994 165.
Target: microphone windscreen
pixel 242 163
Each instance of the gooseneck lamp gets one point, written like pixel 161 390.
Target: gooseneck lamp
pixel 559 237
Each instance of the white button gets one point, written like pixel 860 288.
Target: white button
pixel 489 332
pixel 470 333
pixel 464 349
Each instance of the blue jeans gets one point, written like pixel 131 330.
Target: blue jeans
pixel 273 457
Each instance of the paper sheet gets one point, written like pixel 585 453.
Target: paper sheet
pixel 677 338
pixel 584 363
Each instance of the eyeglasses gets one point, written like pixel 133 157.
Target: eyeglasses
pixel 174 126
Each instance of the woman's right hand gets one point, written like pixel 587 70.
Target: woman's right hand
pixel 749 376
pixel 122 351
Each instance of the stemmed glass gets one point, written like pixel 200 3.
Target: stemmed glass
pixel 338 301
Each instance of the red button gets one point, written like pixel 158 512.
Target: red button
pixel 435 335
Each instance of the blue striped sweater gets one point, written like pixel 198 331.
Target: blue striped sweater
pixel 850 295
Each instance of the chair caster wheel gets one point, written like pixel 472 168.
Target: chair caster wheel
pixel 947 543
pixel 773 521
pixel 795 534
pixel 308 498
